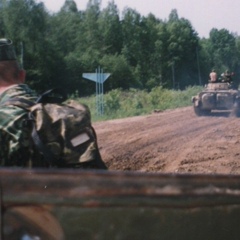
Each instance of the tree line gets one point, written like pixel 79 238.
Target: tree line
pixel 140 52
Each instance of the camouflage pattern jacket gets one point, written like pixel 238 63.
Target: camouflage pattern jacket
pixel 14 143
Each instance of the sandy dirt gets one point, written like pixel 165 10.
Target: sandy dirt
pixel 170 142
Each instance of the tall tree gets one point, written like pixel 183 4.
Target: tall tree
pixel 161 55
pixel 223 49
pixel 182 46
pixel 64 29
pixel 69 6
pixel 110 29
pixel 150 60
pixel 131 25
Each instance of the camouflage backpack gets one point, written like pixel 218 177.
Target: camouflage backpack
pixel 61 133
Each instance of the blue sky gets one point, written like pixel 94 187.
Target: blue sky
pixel 203 14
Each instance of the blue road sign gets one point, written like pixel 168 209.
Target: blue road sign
pixel 96 77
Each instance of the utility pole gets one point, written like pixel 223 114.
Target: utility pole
pixel 173 74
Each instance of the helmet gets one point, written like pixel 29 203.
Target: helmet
pixel 7 52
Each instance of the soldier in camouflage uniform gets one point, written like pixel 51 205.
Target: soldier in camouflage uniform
pixel 14 143
pixel 17 148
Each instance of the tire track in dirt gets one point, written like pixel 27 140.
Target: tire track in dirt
pixel 198 147
pixel 171 141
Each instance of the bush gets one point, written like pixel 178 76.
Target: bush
pixel 112 102
pixel 121 104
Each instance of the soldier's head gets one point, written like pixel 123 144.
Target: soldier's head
pixel 213 70
pixel 7 52
pixel 10 71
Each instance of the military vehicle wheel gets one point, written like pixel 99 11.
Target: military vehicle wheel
pixel 200 112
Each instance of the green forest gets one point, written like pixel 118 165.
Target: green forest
pixel 140 52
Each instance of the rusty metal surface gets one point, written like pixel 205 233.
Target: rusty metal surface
pixel 122 205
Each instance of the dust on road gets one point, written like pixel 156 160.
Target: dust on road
pixel 171 141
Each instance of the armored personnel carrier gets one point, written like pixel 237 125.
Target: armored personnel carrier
pixel 217 96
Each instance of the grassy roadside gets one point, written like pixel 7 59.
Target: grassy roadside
pixel 122 104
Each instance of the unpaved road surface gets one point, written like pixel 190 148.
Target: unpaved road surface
pixel 174 141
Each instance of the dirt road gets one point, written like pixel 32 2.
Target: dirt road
pixel 172 141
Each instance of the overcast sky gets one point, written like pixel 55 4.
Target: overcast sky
pixel 203 14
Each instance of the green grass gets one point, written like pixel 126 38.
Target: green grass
pixel 122 104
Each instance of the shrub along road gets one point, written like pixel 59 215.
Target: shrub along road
pixel 171 141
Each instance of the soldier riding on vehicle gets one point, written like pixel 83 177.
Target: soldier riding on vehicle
pixel 213 76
